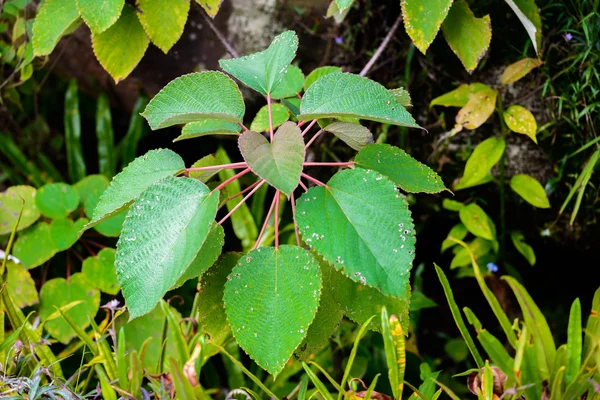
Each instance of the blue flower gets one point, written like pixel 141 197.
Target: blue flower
pixel 568 37
pixel 339 40
pixel 491 267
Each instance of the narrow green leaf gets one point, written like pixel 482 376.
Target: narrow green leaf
pixel 100 15
pixel 371 387
pixel 477 248
pixel 469 37
pixel 130 142
pixel 361 224
pixel 406 172
pixel 452 205
pixel 488 382
pixel 518 70
pixel 164 230
pixel 592 327
pixel 270 310
pixel 105 136
pixel 390 352
pixel 318 73
pixel 53 19
pixel 208 127
pixel 279 112
pixel 11 202
pixel 182 385
pixel 133 180
pixel 100 271
pixel 264 71
pixel 354 135
pixel 497 352
pixel 458 97
pixel 137 374
pixel 179 341
pixel 422 20
pixel 320 386
pixel 22 164
pixel 526 250
pixel 122 361
pixel 72 121
pixel 279 162
pixel 352 355
pixel 108 393
pixel 120 48
pixel 521 120
pixel 291 84
pixel 477 221
pixel 481 161
pixel 196 97
pixel 163 20
pixel 56 200
pixel 355 96
pixel 79 332
pixel 530 190
pixel 574 342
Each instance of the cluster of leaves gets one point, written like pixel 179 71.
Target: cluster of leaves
pixel 469 37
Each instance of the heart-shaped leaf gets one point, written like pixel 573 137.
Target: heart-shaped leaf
pixel 406 172
pixel 20 285
pixel 290 85
pixel 208 127
pixel 264 70
pixel 347 95
pixel 34 246
pixel 164 230
pixel 354 135
pixel 271 298
pixel 57 200
pixel 100 271
pixel 422 20
pixel 280 162
pixel 65 232
pixel 196 97
pixel 521 120
pixel 11 202
pixel 59 292
pixel 530 190
pixel 120 48
pixel 361 224
pixel 133 180
pixel 163 20
pixel 53 19
pixel 279 112
pixel 100 15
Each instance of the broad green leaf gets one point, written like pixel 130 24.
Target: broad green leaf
pixel 34 246
pixel 133 180
pixel 163 20
pixel 422 20
pixel 210 6
pixel 20 285
pixel 90 189
pixel 280 114
pixel 458 231
pixel 207 255
pixel 406 172
pixel 479 247
pixel 100 271
pixel 208 127
pixel 290 85
pixel 205 175
pixel 519 69
pixel 526 250
pixel 72 123
pixel 11 202
pixel 458 97
pixel 56 200
pixel 293 104
pixel 343 4
pixel 347 95
pixel 65 232
pixel 120 48
pixel 521 120
pixel 279 162
pixel 196 97
pixel 476 221
pixel 264 71
pixel 99 15
pixel 530 190
pixel 361 224
pixel 270 300
pixel 59 292
pixel 543 342
pixel 574 342
pixel 334 11
pixel 162 234
pixel 211 311
pixel 469 37
pixel 478 109
pixel 318 73
pixel 481 161
pixel 452 205
pixel 53 19
pixel 354 135
pixel 105 137
pixel 528 14
pixel 402 96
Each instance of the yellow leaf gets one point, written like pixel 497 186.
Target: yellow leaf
pixel 520 120
pixel 210 6
pixel 517 70
pixel 478 109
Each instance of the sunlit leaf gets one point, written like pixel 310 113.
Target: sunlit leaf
pixel 318 73
pixel 280 114
pixel 163 20
pixel 20 285
pixel 208 127
pixel 458 97
pixel 481 161
pixel 520 120
pixel 210 6
pixel 477 221
pixel 100 271
pixel 458 231
pixel 574 342
pixel 34 246
pixel 518 70
pixel 270 302
pixel 11 202
pixel 354 135
pixel 530 190
pixel 422 20
pixel 478 247
pixel 99 15
pixel 53 19
pixel 478 109
pixel 526 250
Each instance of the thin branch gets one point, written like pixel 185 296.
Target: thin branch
pixel 238 205
pixel 313 180
pixel 243 126
pixel 303 186
pixel 222 166
pixel 328 164
pixel 243 191
pixel 294 219
pixel 313 138
pixel 277 200
pixel 381 47
pixel 220 36
pixel 314 121
pixel 270 116
pixel 264 227
pixel 233 178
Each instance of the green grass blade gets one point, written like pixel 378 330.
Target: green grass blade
pixel 130 142
pixel 122 361
pixel 448 391
pixel 353 355
pixel 574 342
pixel 390 352
pixel 488 382
pixel 81 334
pixel 137 374
pixel 75 160
pixel 326 375
pixel 182 385
pixel 105 137
pixel 371 387
pixel 557 390
pixel 317 382
pixel 303 388
pixel 592 327
pixel 12 152
pixel 175 327
pixel 460 323
pixel 416 393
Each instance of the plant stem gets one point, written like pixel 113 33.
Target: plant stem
pixel 381 47
pixel 502 183
pixel 303 186
pixel 238 205
pixel 313 138
pixel 243 191
pixel 270 116
pixel 222 166
pixel 262 231
pixel 243 126
pixel 313 180
pixel 314 121
pixel 233 178
pixel 328 164
pixel 294 219
pixel 277 200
